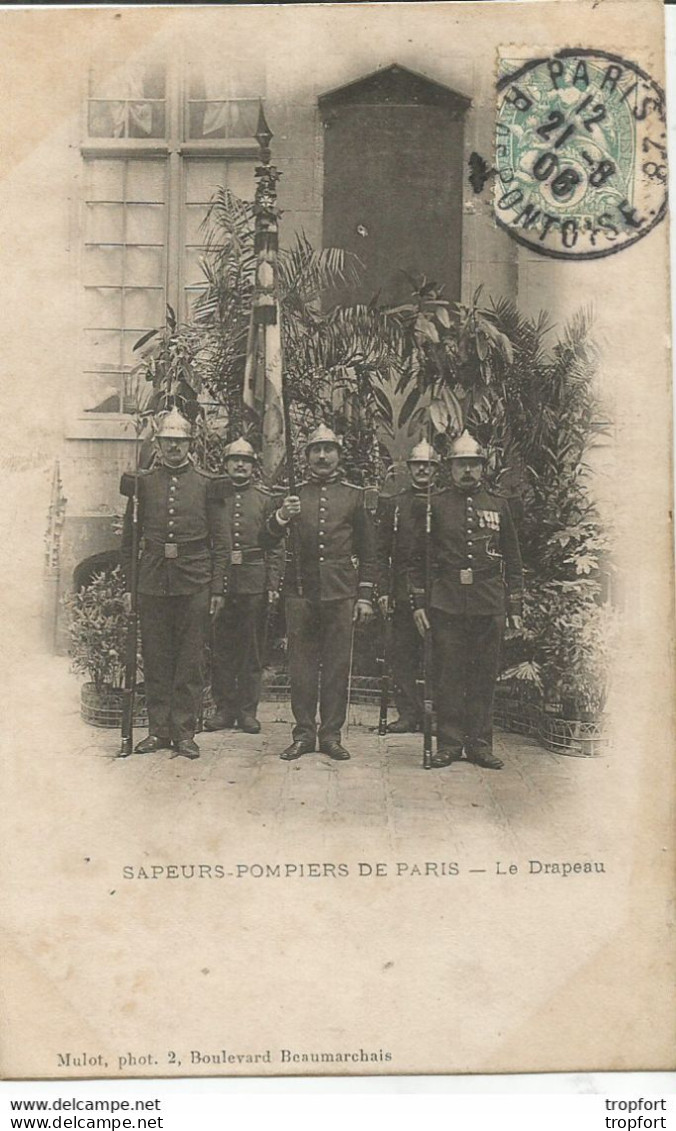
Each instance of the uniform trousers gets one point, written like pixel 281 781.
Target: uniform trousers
pixel 319 639
pixel 466 663
pixel 173 635
pixel 405 661
pixel 238 646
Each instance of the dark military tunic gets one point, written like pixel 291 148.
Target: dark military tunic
pixel 397 532
pixel 184 549
pixel 336 538
pixel 254 569
pixel 476 576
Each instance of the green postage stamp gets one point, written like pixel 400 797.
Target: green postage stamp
pixel 580 153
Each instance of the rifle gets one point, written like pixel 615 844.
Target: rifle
pixel 386 633
pixel 131 643
pixel 427 642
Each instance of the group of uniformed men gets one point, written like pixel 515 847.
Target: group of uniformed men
pixel 215 552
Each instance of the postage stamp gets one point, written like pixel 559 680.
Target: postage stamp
pixel 580 153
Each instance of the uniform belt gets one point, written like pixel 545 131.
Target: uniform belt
pixel 345 560
pixel 181 547
pixel 476 574
pixel 253 555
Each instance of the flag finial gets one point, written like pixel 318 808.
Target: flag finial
pixel 263 134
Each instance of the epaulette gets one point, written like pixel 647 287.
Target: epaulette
pixel 217 486
pixel 127 480
pixel 207 474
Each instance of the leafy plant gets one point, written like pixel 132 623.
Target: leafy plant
pixel 546 416
pixel 97 628
pixel 171 359
pixel 453 352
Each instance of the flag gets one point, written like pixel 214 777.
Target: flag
pixel 263 376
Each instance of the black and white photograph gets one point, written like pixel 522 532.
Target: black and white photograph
pixel 338 563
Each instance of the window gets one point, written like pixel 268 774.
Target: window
pixel 158 142
pixel 129 102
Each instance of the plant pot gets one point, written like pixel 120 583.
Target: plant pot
pixel 577 738
pixel 102 707
pixel 513 714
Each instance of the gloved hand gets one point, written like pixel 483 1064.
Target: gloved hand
pixel 363 611
pixel 289 508
pixel 216 605
pixel 422 622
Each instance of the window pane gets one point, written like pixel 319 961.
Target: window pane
pixel 104 180
pixel 107 119
pixel 240 178
pixel 127 101
pixel 146 181
pixel 103 307
pixel 202 178
pixel 104 223
pixel 144 266
pixel 103 265
pixel 129 358
pixel 192 273
pixel 223 99
pixel 145 223
pixel 143 307
pixel 124 79
pixel 194 215
pixel 192 294
pixel 237 118
pixel 102 393
pixel 103 349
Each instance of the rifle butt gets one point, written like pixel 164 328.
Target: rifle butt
pixel 427 735
pixel 129 693
pixel 127 728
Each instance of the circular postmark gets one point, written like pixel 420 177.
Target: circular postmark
pixel 580 154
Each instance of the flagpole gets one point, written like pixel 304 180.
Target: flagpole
pixel 264 389
pixel 263 377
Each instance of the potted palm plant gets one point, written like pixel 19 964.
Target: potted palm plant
pixel 97 627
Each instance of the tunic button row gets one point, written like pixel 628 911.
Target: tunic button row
pixel 171 522
pixel 172 510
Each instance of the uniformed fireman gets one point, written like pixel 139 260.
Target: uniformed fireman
pixel 398 522
pixel 253 579
pixel 475 580
pixel 184 540
pixel 328 587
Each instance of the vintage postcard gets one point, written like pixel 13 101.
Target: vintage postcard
pixel 337 540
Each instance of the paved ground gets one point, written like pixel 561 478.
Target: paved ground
pixel 381 800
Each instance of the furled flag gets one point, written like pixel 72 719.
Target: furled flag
pixel 263 371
